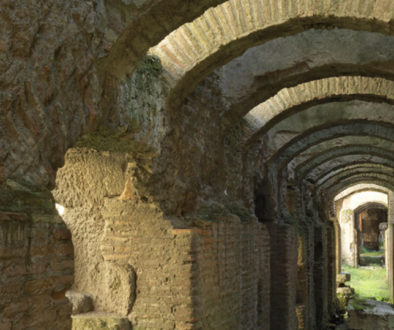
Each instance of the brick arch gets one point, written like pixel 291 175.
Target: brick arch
pixel 362 170
pixel 264 70
pixel 371 204
pixel 226 31
pixel 326 188
pixel 355 189
pixel 322 133
pixel 371 171
pixel 292 100
pixel 330 191
pixel 360 188
pixel 320 116
pixel 275 165
pixel 155 20
pixel 375 189
pixel 353 164
pixel 337 156
pixel 326 150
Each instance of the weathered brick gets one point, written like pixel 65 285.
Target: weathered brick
pixel 61 233
pixel 39 286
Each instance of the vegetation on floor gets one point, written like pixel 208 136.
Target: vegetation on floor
pixel 369 253
pixel 369 282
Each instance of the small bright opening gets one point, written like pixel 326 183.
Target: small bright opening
pixel 60 209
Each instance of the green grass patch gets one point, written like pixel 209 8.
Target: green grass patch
pixel 368 253
pixel 369 282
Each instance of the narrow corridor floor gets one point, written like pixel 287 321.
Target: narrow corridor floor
pixel 369 282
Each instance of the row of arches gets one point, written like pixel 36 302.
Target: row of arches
pixel 208 201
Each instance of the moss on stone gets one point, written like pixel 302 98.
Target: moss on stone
pixel 358 303
pixel 150 65
pixel 243 213
pixel 17 197
pixel 148 69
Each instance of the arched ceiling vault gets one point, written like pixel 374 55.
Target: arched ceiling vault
pixel 372 204
pixel 222 33
pixel 319 134
pixel 329 159
pixel 263 71
pixel 296 125
pixel 279 162
pixel 153 23
pixel 347 172
pixel 290 101
pixel 347 177
pixel 387 166
pixel 332 148
pixel 330 191
pixel 360 187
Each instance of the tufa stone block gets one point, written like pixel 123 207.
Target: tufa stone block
pixel 82 303
pixel 343 277
pixel 96 321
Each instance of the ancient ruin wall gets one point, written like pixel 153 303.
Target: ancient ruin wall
pixel 36 260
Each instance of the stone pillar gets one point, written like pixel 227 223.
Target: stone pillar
pixel 320 275
pixel 331 269
pixel 283 276
pixel 302 282
pixel 390 244
pixel 338 253
pixel 36 260
pixel 311 310
pixel 348 237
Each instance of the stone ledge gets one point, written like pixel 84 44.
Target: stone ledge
pixel 343 277
pixel 99 320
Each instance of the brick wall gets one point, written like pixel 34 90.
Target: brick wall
pixel 283 276
pixel 232 275
pixel 213 276
pixel 36 262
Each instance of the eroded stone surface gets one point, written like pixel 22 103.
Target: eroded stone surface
pixel 92 321
pixel 343 277
pixel 82 303
pixel 374 315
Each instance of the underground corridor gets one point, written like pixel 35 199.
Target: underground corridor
pixel 210 164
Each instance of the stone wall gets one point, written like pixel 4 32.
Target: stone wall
pixel 283 276
pixel 207 269
pixel 36 260
pixel 369 221
pixel 348 237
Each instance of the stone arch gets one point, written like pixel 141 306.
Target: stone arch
pixel 317 117
pixel 346 209
pixel 276 186
pixel 292 100
pixel 335 188
pixel 305 162
pixel 360 188
pixel 155 20
pixel 352 166
pixel 263 71
pixel 350 172
pixel 375 204
pixel 194 49
pixel 335 163
pixel 322 133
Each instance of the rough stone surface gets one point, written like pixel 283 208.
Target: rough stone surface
pixel 36 260
pixel 93 321
pixel 178 219
pixel 343 277
pixel 82 303
pixel 375 315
